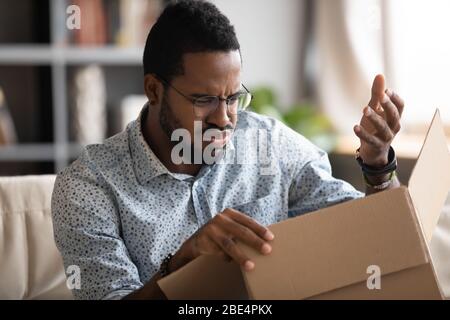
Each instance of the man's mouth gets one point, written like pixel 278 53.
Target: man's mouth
pixel 221 138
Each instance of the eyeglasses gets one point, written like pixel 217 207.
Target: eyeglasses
pixel 206 105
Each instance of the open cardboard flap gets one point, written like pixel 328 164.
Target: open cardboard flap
pixel 429 183
pixel 327 253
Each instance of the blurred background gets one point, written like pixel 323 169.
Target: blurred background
pixel 309 63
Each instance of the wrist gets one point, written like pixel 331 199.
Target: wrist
pixel 381 167
pixel 378 162
pixel 179 259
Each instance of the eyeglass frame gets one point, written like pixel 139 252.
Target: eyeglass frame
pixel 220 99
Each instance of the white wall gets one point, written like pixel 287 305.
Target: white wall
pixel 269 32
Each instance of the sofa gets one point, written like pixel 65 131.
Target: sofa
pixel 31 266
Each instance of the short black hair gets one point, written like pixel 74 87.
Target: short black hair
pixel 187 26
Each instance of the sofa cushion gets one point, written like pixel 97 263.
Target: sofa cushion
pixel 30 264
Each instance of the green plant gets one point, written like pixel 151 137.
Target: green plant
pixel 264 102
pixel 305 118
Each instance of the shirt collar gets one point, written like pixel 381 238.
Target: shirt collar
pixel 145 163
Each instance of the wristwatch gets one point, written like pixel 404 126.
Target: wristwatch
pixel 374 171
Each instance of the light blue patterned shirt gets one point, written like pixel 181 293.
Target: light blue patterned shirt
pixel 117 211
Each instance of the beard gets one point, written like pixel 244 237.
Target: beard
pixel 169 123
pixel 167 120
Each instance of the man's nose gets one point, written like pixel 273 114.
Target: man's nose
pixel 219 116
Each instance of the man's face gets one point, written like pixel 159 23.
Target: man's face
pixel 205 74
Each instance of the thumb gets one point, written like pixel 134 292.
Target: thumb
pixel 378 88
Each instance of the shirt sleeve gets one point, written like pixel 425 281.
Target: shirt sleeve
pixel 313 187
pixel 86 227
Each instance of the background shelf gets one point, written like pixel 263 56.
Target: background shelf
pixel 39 62
pixel 47 55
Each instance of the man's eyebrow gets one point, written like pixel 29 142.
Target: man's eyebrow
pixel 200 95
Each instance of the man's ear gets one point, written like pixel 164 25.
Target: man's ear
pixel 154 89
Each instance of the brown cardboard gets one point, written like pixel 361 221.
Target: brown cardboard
pixel 207 277
pixel 409 284
pixel 325 254
pixel 429 188
pixel 381 230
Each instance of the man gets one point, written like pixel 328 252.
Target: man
pixel 128 212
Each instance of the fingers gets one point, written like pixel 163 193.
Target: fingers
pixel 388 106
pixel 219 237
pixel 391 113
pixel 398 102
pixel 250 223
pixel 241 232
pixel 383 131
pixel 368 138
pixel 377 91
pixel 228 245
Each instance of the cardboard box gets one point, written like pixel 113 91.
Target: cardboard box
pixel 335 253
